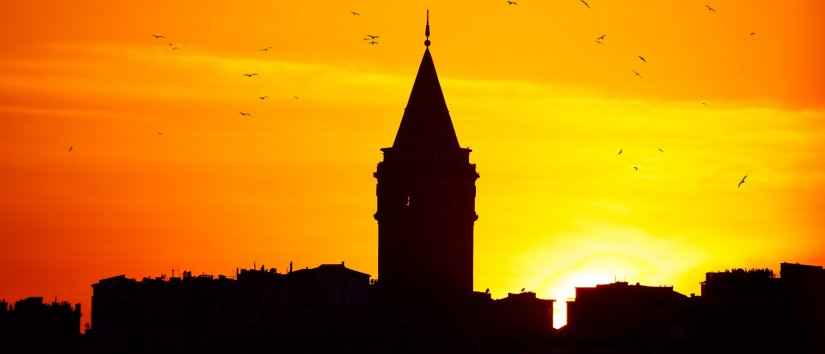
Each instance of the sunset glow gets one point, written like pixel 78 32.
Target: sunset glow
pixel 165 174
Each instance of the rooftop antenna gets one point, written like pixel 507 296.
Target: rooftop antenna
pixel 427 30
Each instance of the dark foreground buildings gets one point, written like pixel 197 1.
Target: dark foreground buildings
pixel 423 299
pixel 31 325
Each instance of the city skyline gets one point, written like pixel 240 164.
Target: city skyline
pixel 161 161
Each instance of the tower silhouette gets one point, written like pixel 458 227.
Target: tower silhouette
pixel 426 197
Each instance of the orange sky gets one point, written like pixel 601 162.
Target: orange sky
pixel 543 106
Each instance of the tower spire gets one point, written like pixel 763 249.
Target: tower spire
pixel 427 30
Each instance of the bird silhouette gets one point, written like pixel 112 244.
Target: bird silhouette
pixel 371 37
pixel 263 97
pixel 487 291
pixel 296 97
pixel 642 59
pixel 742 181
pixel 246 114
pixel 636 168
pixel 704 104
pixel 160 133
pixel 511 2
pixel 752 34
pixel 522 289
pixel 355 13
pixel 173 46
pixel 585 3
pixel 637 74
pixel 71 147
pixel 158 36
pixel 373 43
pixel 621 151
pixel 250 75
pixel 266 49
pixel 661 150
pixel 600 39
pixel 710 8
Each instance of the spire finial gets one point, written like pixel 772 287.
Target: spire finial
pixel 427 30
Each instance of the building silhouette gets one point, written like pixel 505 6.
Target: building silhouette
pixel 426 198
pixel 423 300
pixel 620 311
pixel 31 325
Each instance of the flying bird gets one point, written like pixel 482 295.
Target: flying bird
pixel 636 168
pixel 642 59
pixel 637 74
pixel 661 150
pixel 263 97
pixel 355 13
pixel 158 36
pixel 71 147
pixel 371 37
pixel 522 289
pixel 296 97
pixel 710 8
pixel 742 181
pixel 704 104
pixel 585 3
pixel 250 75
pixel 511 2
pixel 600 39
pixel 160 133
pixel 373 42
pixel 621 151
pixel 173 46
pixel 752 34
pixel 246 114
pixel 266 49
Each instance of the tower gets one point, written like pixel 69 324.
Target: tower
pixel 426 197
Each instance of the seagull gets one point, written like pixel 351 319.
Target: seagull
pixel 752 34
pixel 661 150
pixel 71 147
pixel 266 49
pixel 710 8
pixel 585 3
pixel 704 104
pixel 250 75
pixel 160 133
pixel 371 37
pixel 620 152
pixel 742 181
pixel 511 2
pixel 373 42
pixel 636 168
pixel 263 97
pixel 522 289
pixel 355 13
pixel 246 114
pixel 173 46
pixel 642 59
pixel 600 39
pixel 296 97
pixel 158 36
pixel 637 73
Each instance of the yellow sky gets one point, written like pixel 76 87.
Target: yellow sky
pixel 544 108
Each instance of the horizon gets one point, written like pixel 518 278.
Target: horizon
pixel 164 173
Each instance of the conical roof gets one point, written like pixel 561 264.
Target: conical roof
pixel 426 126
